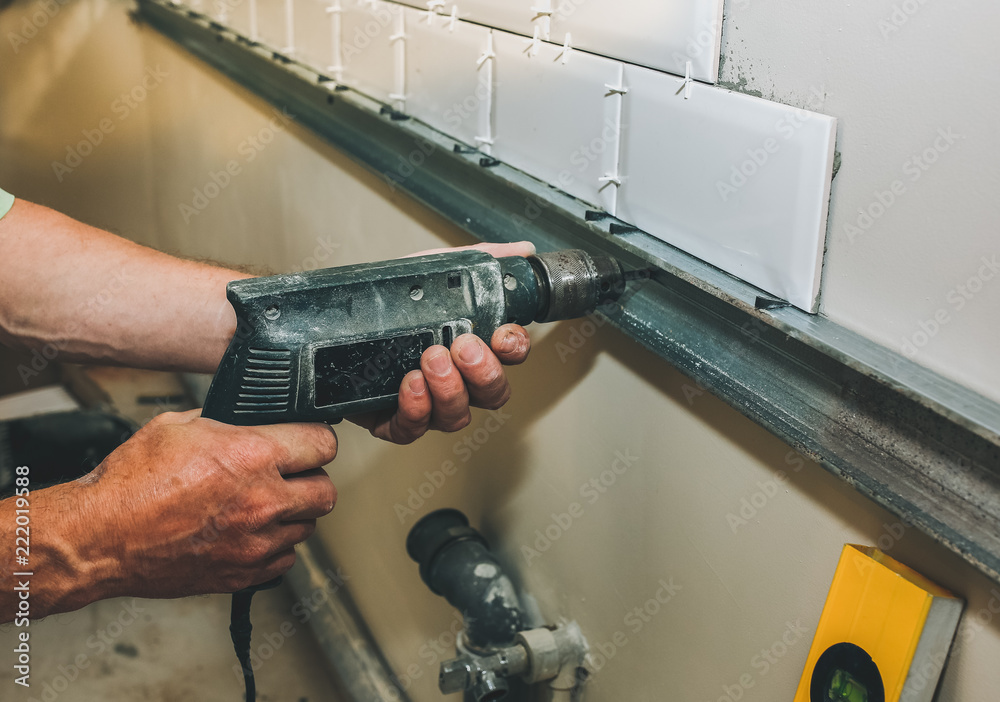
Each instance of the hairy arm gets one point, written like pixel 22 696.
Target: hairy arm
pixel 71 288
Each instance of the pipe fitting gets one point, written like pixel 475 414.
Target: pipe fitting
pixel 456 563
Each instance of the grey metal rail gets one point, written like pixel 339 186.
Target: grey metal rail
pixel 924 447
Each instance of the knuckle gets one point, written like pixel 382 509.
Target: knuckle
pixel 497 401
pixel 308 528
pixel 459 423
pixel 495 380
pixel 284 563
pixel 328 500
pixel 253 552
pixel 261 510
pixel 325 443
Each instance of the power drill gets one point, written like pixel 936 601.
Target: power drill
pixel 326 344
pixel 322 345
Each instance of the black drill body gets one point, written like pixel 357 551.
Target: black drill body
pixel 325 344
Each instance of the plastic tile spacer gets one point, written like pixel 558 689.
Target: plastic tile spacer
pixel 533 44
pixel 686 82
pixel 618 229
pixel 566 49
pixel 487 55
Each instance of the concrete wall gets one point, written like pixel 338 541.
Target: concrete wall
pixel 750 589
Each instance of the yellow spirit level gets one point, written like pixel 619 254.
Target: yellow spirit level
pixel 884 634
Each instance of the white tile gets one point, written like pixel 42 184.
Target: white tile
pixel 558 121
pixel 510 15
pixel 662 34
pixel 520 16
pixel 272 23
pixel 740 182
pixel 315 24
pixel 447 86
pixel 236 15
pixel 371 48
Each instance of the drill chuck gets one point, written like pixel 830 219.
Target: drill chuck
pixel 573 283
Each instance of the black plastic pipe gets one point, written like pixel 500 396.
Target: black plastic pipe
pixel 456 563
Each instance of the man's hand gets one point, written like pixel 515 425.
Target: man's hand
pixel 471 374
pixel 186 506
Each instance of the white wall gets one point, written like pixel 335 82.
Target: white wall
pixel 666 517
pixel 896 74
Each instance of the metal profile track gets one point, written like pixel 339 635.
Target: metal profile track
pixel 919 444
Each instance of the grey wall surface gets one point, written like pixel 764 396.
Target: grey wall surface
pixel 680 509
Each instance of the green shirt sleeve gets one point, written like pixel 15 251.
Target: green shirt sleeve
pixel 6 202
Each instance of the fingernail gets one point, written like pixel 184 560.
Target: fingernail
pixel 439 363
pixel 417 385
pixel 508 343
pixel 471 352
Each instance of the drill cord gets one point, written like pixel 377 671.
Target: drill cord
pixel 240 628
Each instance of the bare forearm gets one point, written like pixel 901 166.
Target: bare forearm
pixel 72 289
pixel 59 572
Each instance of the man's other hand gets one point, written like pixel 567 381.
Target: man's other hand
pixel 189 505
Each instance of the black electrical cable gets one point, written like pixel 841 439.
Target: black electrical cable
pixel 240 628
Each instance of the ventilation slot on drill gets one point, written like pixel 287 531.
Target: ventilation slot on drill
pixel 267 382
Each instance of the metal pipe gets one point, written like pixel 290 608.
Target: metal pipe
pixel 349 647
